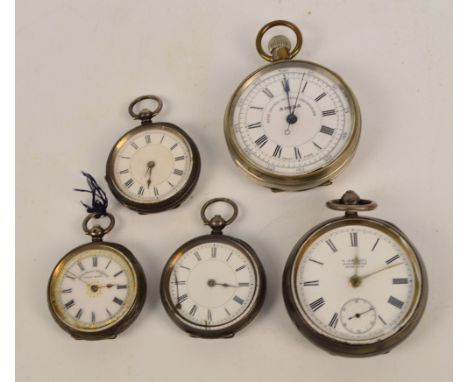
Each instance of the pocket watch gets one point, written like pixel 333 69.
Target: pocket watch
pixel 97 289
pixel 155 166
pixel 213 285
pixel 355 285
pixel 291 125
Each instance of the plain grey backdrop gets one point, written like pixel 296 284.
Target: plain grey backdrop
pixel 79 64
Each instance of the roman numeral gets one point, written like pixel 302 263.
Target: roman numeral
pixel 197 255
pixel 315 261
pixel 375 245
pixel 174 146
pixel 243 284
pixel 156 192
pixel 108 312
pixel 256 107
pixel 69 290
pixel 238 300
pixel 134 145
pixel 297 153
pixel 69 304
pixel 209 317
pixel 118 273
pixel 254 125
pixel 327 130
pixel 148 139
pixel 178 172
pixel 182 298
pixel 327 113
pixel 95 261
pixel 110 261
pixel 229 257
pixel 400 281
pixel 124 157
pixel 141 191
pixel 331 245
pixel 70 276
pixel 183 266
pixel 316 145
pixel 117 301
pixel 311 283
pixel 122 286
pixel 317 304
pixel 318 98
pixel 93 317
pixel 277 152
pixel 333 321
pixel 381 319
pixel 392 259
pixel 124 171
pixel 227 311
pixel 193 310
pixel 80 264
pixel 170 184
pixel 304 88
pixel 395 302
pixel 179 282
pixel 78 314
pixel 129 183
pixel 354 239
pixel 268 92
pixel 213 252
pixel 162 139
pixel 240 268
pixel 262 141
pixel 179 158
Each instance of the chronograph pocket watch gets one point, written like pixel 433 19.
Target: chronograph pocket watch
pixel 155 166
pixel 213 285
pixel 291 125
pixel 355 285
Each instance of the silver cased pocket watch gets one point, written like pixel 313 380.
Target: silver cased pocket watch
pixel 213 285
pixel 354 285
pixel 155 166
pixel 98 289
pixel 291 125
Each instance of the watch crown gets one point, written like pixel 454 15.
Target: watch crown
pixel 277 42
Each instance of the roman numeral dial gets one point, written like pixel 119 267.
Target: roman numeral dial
pixel 211 284
pixel 291 122
pixel 355 282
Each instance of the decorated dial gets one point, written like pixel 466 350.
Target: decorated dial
pixel 213 285
pixel 356 284
pixel 94 290
pixel 292 119
pixel 152 165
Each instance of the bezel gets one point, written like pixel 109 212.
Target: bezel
pixel 111 331
pixel 229 329
pixel 175 200
pixel 315 178
pixel 338 346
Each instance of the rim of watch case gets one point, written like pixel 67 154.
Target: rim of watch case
pixel 226 330
pixel 175 200
pixel 122 324
pixel 334 346
pixel 315 178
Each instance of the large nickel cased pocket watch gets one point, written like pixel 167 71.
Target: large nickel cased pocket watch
pixel 355 285
pixel 155 166
pixel 97 289
pixel 213 285
pixel 291 125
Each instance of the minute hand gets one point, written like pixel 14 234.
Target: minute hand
pixel 379 270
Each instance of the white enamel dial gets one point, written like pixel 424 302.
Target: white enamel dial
pixel 292 119
pixel 152 165
pixel 356 284
pixel 94 289
pixel 212 285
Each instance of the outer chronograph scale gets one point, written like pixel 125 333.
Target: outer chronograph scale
pixel 213 285
pixel 153 167
pixel 291 125
pixel 355 285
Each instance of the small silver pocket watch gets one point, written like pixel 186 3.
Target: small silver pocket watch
pixel 213 285
pixel 97 289
pixel 291 125
pixel 355 285
pixel 155 166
